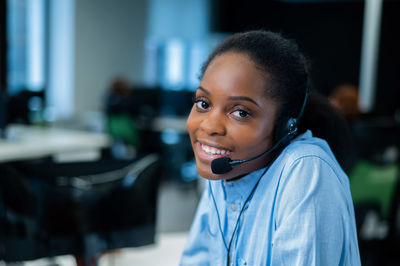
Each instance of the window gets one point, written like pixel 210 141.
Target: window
pixel 25 45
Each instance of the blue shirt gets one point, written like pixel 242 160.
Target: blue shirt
pixel 301 213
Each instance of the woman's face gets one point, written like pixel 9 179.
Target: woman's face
pixel 231 116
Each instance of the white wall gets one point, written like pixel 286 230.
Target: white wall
pixel 109 42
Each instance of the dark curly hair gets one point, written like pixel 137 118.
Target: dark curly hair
pixel 287 71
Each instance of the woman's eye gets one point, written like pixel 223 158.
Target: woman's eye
pixel 202 104
pixel 241 114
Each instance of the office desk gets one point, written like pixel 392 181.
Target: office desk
pixel 165 252
pixel 178 124
pixel 31 142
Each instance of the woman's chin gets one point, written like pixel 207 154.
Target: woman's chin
pixel 210 176
pixel 205 172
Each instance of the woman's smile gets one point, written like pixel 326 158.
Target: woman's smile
pixel 207 153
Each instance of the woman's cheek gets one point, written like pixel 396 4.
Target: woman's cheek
pixel 190 123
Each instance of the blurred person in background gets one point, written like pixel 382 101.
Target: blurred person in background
pixel 345 98
pixel 120 121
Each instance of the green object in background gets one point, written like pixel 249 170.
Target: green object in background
pixel 373 183
pixel 122 127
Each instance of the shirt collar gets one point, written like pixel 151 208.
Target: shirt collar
pixel 240 189
pixel 305 135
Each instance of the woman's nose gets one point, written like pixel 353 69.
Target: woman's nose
pixel 213 124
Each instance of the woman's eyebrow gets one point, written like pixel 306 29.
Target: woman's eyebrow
pixel 242 98
pixel 204 90
pixel 232 98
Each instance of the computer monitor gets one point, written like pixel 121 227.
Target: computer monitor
pixel 3 66
pixel 175 103
pixel 330 35
pixel 3 114
pixel 387 93
pixel 328 32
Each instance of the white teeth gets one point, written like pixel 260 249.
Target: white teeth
pixel 212 150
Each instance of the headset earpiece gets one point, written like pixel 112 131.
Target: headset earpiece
pixel 287 131
pixel 291 127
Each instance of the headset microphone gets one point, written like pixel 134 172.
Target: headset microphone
pixel 224 165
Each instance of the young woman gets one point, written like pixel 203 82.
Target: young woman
pixel 290 203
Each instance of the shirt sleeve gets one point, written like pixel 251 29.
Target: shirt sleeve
pixel 312 215
pixel 196 248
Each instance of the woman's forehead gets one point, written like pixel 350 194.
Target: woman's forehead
pixel 235 73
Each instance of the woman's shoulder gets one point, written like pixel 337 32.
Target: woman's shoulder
pixel 308 167
pixel 311 154
pixel 308 146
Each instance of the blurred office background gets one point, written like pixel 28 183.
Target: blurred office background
pixel 95 161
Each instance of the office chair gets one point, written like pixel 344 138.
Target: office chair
pixel 375 190
pixel 87 208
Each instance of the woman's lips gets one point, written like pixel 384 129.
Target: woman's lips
pixel 208 153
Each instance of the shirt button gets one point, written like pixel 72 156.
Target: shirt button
pixel 233 207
